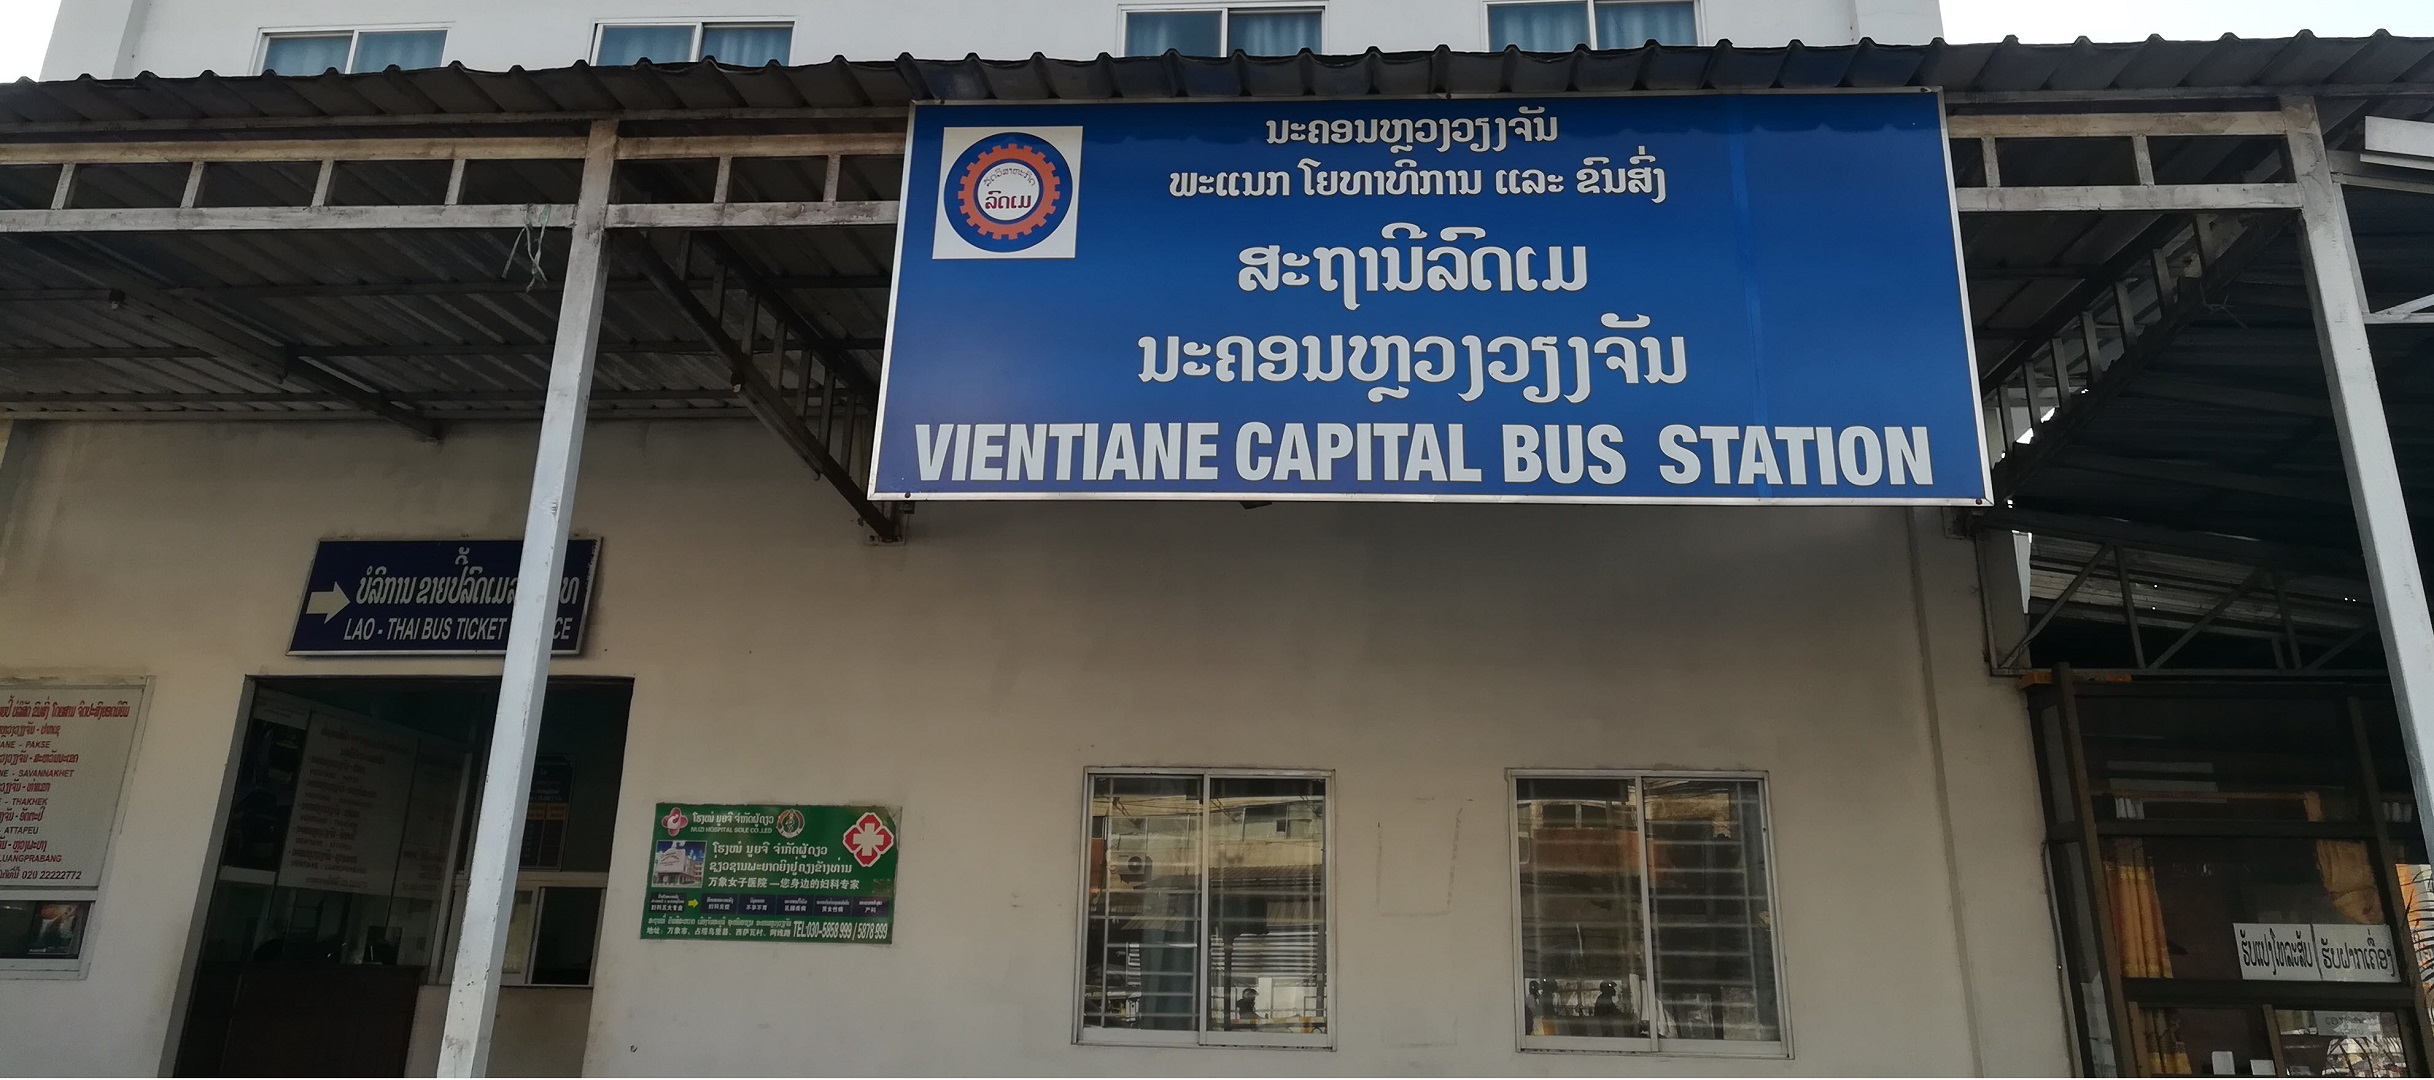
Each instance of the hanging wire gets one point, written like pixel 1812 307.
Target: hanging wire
pixel 529 237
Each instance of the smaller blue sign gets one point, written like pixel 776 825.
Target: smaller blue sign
pixel 430 597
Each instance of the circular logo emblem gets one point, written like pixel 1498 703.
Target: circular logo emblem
pixel 1007 192
pixel 790 823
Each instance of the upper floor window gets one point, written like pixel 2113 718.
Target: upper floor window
pixel 351 50
pixel 740 44
pixel 1600 24
pixel 1221 31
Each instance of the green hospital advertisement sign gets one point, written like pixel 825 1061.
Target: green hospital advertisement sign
pixel 772 873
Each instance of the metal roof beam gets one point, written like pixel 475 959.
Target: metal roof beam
pixel 469 148
pixel 2136 198
pixel 216 335
pixel 378 352
pixel 773 299
pixel 763 398
pixel 2145 537
pixel 2331 491
pixel 413 288
pixel 2204 392
pixel 505 216
pixel 2022 462
pixel 2111 125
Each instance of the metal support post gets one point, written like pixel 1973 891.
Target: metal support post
pixel 473 990
pixel 2339 294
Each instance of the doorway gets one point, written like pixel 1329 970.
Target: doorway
pixel 2238 875
pixel 331 926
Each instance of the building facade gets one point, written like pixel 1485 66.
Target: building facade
pixel 809 781
pixel 182 37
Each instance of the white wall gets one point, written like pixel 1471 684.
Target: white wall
pixel 971 675
pixel 184 37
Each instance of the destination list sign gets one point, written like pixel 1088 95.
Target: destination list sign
pixel 772 873
pixel 63 750
pixel 431 597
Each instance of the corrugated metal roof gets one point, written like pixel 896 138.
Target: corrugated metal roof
pixel 2226 67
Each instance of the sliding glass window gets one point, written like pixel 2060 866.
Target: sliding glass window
pixel 351 51
pixel 734 44
pixel 1205 910
pixel 1646 919
pixel 1564 25
pixel 1259 31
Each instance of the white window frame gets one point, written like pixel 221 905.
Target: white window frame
pixel 1698 20
pixel 1654 1044
pixel 1200 1036
pixel 699 26
pixel 1225 22
pixel 354 33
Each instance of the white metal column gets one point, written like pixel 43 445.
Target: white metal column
pixel 2339 293
pixel 473 992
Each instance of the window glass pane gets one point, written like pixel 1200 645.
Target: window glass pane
pixel 2177 901
pixel 747 46
pixel 2198 1042
pixel 1139 951
pixel 408 49
pixel 1631 25
pixel 2256 758
pixel 42 929
pixel 2417 920
pixel 305 55
pixel 1267 943
pixel 1583 943
pixel 2323 1042
pixel 1192 33
pixel 1272 33
pixel 519 935
pixel 1538 27
pixel 622 45
pixel 562 944
pixel 1715 937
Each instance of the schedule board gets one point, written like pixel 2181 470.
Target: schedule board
pixel 1696 298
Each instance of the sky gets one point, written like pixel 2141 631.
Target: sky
pixel 25 25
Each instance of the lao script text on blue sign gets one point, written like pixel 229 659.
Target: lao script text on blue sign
pixel 431 597
pixel 1731 298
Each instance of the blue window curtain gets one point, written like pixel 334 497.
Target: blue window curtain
pixel 1192 33
pixel 1631 25
pixel 301 55
pixel 623 45
pixel 1538 27
pixel 1272 33
pixel 747 46
pixel 380 50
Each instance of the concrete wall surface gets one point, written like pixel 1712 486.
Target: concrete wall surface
pixel 971 675
pixel 185 37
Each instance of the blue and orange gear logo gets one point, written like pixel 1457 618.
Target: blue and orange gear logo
pixel 1008 192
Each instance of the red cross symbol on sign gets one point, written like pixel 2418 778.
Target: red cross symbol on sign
pixel 676 820
pixel 868 839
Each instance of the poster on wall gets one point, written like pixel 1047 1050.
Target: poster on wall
pixel 350 813
pixel 772 873
pixel 63 755
pixel 1728 298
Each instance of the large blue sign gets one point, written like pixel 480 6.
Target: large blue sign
pixel 427 597
pixel 1723 298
